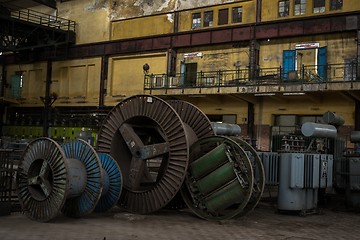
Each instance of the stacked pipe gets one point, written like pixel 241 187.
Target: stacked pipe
pixel 168 151
pixel 70 178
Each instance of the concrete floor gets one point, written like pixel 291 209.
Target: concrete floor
pixel 334 222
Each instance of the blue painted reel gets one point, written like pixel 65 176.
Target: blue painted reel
pixel 112 183
pixel 88 185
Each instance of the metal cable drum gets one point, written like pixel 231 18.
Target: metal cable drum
pixel 196 123
pixel 220 178
pixel 112 183
pixel 259 174
pixel 148 139
pixel 51 179
pixel 86 202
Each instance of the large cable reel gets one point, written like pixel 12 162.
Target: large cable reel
pixel 67 178
pixel 220 178
pixel 150 142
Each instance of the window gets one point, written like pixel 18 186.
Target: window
pixel 336 4
pixel 237 14
pixel 208 19
pixel 223 16
pixel 319 6
pixel 196 20
pixel 300 7
pixel 284 7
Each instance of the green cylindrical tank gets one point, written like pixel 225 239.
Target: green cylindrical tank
pixel 216 179
pixel 208 162
pixel 225 197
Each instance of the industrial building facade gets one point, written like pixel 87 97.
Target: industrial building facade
pixel 268 66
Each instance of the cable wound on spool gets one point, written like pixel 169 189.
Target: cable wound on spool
pixel 310 129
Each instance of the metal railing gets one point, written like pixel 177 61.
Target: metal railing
pixel 44 19
pixel 260 76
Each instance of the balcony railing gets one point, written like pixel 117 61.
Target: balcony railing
pixel 44 19
pixel 261 76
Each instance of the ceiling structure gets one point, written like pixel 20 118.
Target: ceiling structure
pixel 23 4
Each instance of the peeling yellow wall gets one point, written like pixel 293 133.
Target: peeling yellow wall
pixel 33 84
pixel 340 46
pixel 126 76
pixel 121 9
pixel 76 82
pixel 311 104
pixel 267 107
pixel 214 58
pixel 248 8
pixel 222 105
pixel 91 17
pixel 270 9
pixel 146 26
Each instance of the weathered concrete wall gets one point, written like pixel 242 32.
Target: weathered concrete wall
pixel 134 8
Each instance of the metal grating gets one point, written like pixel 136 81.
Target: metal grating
pixel 8 168
pixel 312 170
pixel 270 161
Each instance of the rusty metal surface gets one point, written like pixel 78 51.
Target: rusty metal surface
pixel 259 174
pixel 42 180
pixel 147 138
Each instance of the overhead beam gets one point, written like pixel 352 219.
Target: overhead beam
pixel 48 3
pixel 230 34
pixel 243 98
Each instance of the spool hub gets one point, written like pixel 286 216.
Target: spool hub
pixel 220 178
pixel 147 138
pixel 42 180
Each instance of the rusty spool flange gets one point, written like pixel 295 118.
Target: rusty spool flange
pixel 52 178
pixel 259 174
pixel 199 125
pixel 220 179
pixel 148 139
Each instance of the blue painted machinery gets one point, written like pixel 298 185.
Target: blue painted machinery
pixel 71 179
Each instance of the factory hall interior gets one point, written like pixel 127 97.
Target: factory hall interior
pixel 178 119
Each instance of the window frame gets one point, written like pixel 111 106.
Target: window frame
pixel 236 13
pixel 302 7
pixel 196 21
pixel 285 9
pixel 336 5
pixel 222 20
pixel 209 23
pixel 317 7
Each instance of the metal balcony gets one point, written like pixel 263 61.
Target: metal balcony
pixel 27 30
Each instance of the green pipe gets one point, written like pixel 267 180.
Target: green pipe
pixel 216 179
pixel 208 162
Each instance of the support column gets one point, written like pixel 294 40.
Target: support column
pixel 47 100
pixel 103 79
pixel 2 94
pixel 357 115
pixel 251 124
pixel 3 80
pixel 358 56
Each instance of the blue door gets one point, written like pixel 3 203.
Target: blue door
pixel 322 63
pixel 289 58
